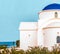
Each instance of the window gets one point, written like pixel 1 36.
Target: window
pixel 56 15
pixel 58 39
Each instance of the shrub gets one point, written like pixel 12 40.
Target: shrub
pixel 3 46
pixel 34 50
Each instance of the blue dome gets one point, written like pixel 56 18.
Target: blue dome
pixel 52 6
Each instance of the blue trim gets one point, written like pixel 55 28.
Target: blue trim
pixel 52 6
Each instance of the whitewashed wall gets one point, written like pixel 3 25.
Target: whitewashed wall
pixel 48 14
pixel 28 35
pixel 50 36
pixel 28 38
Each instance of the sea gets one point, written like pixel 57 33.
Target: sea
pixel 8 44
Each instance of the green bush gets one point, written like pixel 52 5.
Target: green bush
pixel 17 43
pixel 34 50
pixel 3 46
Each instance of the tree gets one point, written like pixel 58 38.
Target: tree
pixel 18 43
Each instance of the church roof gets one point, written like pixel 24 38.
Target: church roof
pixel 52 6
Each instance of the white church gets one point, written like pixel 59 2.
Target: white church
pixel 45 32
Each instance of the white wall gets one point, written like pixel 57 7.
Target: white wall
pixel 47 37
pixel 28 25
pixel 28 35
pixel 50 36
pixel 40 38
pixel 48 14
pixel 54 24
pixel 28 38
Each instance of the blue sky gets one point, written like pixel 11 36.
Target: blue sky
pixel 12 12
